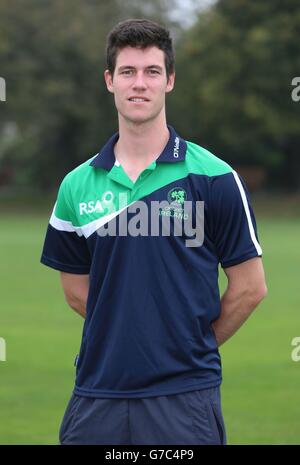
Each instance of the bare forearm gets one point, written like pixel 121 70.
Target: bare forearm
pixel 76 289
pixel 79 305
pixel 235 310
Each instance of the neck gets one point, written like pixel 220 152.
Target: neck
pixel 140 144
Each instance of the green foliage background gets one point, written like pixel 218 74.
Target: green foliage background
pixel 234 70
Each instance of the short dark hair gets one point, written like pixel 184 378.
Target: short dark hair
pixel 140 33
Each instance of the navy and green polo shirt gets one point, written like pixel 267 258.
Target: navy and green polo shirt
pixel 152 299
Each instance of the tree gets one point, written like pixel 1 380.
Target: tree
pixel 58 112
pixel 234 72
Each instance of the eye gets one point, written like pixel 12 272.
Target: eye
pixel 127 72
pixel 153 71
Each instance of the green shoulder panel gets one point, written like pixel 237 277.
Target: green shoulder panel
pixel 70 191
pixel 198 161
pixel 201 161
pixel 87 193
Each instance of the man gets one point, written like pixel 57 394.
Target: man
pixel 149 369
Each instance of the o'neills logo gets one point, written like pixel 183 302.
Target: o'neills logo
pixel 176 148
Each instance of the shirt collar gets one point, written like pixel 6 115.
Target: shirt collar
pixel 174 151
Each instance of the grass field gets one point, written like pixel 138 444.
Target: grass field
pixel 261 398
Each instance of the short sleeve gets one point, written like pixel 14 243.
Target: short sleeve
pixel 65 248
pixel 234 225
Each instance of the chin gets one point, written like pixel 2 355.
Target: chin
pixel 138 119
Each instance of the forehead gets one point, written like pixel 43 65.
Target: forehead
pixel 140 57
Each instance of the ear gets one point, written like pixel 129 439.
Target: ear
pixel 109 81
pixel 171 82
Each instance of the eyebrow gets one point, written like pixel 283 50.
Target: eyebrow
pixel 121 68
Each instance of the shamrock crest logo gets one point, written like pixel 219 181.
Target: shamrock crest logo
pixel 177 196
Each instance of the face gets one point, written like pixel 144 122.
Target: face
pixel 139 83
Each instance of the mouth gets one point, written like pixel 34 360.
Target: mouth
pixel 138 99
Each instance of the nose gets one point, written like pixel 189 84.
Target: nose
pixel 139 82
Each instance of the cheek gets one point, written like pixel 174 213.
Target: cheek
pixel 160 91
pixel 118 94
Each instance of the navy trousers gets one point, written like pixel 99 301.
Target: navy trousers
pixel 193 417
